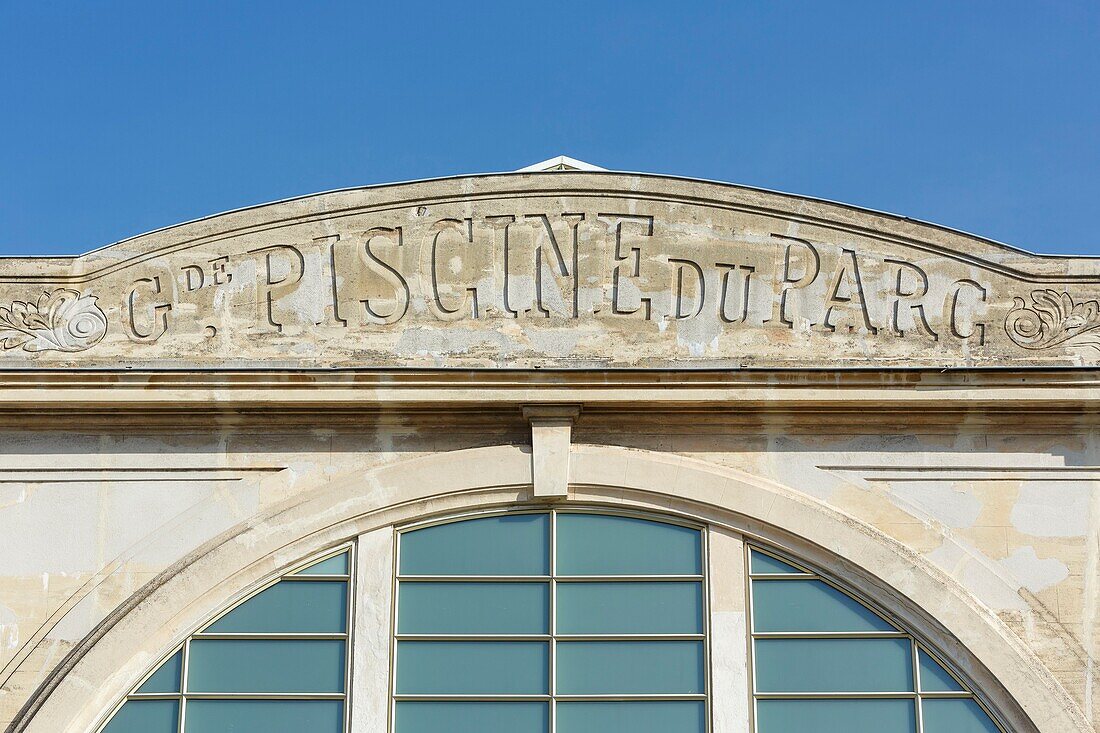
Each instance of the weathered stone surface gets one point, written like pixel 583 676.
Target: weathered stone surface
pixel 566 269
pixel 166 443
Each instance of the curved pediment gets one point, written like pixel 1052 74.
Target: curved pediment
pixel 555 270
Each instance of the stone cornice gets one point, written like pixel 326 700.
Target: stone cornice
pixel 452 390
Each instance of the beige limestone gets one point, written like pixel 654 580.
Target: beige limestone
pixel 537 270
pixel 171 439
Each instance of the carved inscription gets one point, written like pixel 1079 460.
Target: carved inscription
pixel 610 281
pixel 566 266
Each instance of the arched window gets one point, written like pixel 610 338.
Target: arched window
pixel 823 661
pixel 559 620
pixel 551 621
pixel 276 662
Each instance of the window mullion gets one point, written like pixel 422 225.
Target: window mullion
pixel 184 657
pixel 553 620
pixel 917 711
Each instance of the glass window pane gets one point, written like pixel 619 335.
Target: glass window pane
pixel 473 608
pixel 623 667
pixel 166 678
pixel 834 665
pixel 264 716
pixel 516 544
pixel 266 665
pixel 472 667
pixel 290 607
pixel 761 563
pixel 596 544
pixel 479 717
pixel 630 608
pixel 955 716
pixel 635 717
pixel 145 716
pixel 835 716
pixel 337 565
pixel 809 605
pixel 933 677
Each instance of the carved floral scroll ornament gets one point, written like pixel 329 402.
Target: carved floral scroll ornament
pixel 1052 319
pixel 62 320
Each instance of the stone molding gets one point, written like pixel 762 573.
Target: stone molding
pixel 74 391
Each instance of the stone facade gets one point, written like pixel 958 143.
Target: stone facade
pixel 189 411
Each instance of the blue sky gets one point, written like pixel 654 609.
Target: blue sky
pixel 121 117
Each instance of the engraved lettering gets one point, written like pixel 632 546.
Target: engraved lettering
pixel 510 297
pixel 553 267
pixel 221 275
pixel 450 311
pixel 908 309
pixel 626 279
pixel 193 277
pixel 734 307
pixel 285 267
pixel 153 322
pixel 681 309
pixel 334 276
pixel 963 324
pixel 722 278
pixel 847 290
pixel 399 303
pixel 797 252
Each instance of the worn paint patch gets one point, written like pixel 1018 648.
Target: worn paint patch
pixel 1052 509
pixel 941 501
pixel 985 579
pixel 1034 573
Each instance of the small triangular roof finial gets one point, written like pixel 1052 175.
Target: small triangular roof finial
pixel 560 163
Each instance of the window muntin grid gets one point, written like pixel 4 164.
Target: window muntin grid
pixel 822 660
pixel 939 703
pixel 278 662
pixel 643 673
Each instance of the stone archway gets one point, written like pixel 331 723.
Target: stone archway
pixel 83 689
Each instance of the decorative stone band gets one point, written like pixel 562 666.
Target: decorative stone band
pixel 62 320
pixel 1052 319
pixel 66 320
pixel 565 271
